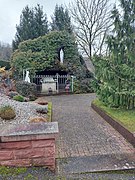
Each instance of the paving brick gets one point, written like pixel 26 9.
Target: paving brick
pixel 80 124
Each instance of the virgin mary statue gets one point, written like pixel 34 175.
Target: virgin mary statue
pixel 27 78
pixel 61 56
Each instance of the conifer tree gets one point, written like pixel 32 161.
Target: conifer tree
pixel 115 74
pixel 33 23
pixel 61 20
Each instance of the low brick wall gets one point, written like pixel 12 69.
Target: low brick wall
pixel 33 145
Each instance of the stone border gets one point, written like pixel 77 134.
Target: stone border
pixel 130 137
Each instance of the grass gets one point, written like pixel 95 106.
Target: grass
pixel 123 116
pixel 49 111
pixel 8 171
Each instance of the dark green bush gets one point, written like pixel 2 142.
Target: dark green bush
pixel 7 112
pixel 83 86
pixel 43 109
pixel 26 89
pixel 5 64
pixel 19 98
pixel 11 94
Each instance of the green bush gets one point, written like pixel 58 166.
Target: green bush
pixel 26 89
pixel 18 98
pixel 83 86
pixel 5 64
pixel 11 94
pixel 7 112
pixel 43 109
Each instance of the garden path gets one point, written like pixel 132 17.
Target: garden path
pixel 82 132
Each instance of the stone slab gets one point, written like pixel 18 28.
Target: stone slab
pixel 97 163
pixel 28 131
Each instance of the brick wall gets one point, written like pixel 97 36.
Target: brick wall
pixel 28 145
pixel 28 153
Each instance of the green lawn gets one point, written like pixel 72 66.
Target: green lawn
pixel 124 117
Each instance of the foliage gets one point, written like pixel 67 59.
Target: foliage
pixel 33 23
pixel 5 64
pixel 11 94
pixel 83 86
pixel 124 117
pixel 61 20
pixel 43 109
pixel 43 53
pixel 8 171
pixel 7 112
pixel 26 89
pixel 32 97
pixel 18 98
pixel 115 75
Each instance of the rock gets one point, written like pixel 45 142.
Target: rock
pixel 37 119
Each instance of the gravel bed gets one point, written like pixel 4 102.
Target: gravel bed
pixel 24 110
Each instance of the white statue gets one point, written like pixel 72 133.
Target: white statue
pixel 61 56
pixel 27 78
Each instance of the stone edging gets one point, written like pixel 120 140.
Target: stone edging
pixel 130 137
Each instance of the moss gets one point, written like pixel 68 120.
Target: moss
pixel 30 177
pixel 123 116
pixel 8 171
pixel 18 98
pixel 49 111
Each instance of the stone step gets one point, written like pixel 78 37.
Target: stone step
pixel 97 163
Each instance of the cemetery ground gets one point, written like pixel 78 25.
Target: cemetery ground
pixel 87 144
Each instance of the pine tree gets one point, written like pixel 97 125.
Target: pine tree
pixel 116 74
pixel 61 20
pixel 41 23
pixel 33 23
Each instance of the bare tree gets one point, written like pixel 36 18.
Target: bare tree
pixel 92 22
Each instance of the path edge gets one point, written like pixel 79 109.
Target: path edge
pixel 130 137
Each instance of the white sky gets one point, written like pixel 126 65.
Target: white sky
pixel 10 11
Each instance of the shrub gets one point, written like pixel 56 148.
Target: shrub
pixel 83 86
pixel 26 89
pixel 32 97
pixel 42 109
pixel 11 94
pixel 7 112
pixel 19 98
pixel 5 64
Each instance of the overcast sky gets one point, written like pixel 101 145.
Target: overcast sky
pixel 10 11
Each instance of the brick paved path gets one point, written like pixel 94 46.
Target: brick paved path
pixel 82 131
